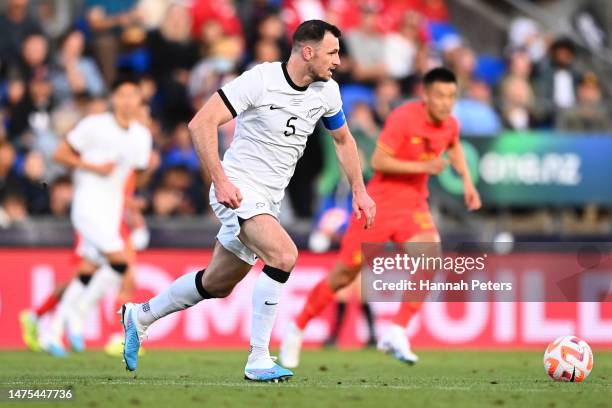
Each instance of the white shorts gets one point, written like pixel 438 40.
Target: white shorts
pixel 96 238
pixel 253 203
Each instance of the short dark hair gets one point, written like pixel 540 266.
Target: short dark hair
pixel 563 43
pixel 314 30
pixel 123 79
pixel 439 74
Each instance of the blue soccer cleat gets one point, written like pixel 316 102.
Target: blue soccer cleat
pixel 56 350
pixel 274 374
pixel 77 342
pixel 132 333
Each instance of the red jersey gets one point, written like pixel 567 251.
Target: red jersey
pixel 410 135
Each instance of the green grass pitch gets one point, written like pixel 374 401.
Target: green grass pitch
pixel 330 378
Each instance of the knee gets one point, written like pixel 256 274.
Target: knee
pixel 342 278
pixel 284 259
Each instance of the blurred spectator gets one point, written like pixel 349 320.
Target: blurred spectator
pixel 13 209
pixel 557 78
pixel 463 62
pixel 475 111
pixel 15 26
pixel 173 51
pixel 180 192
pixel 434 10
pixel 296 11
pixel 75 74
pixel 55 16
pixel 60 197
pixel 152 12
pixel 386 98
pixel 220 57
pixel 32 112
pixel 265 51
pixel 173 54
pixel 34 59
pixel 271 29
pixel 333 191
pixel 182 152
pixel 165 201
pixel 367 49
pixel 107 19
pixel 401 46
pixel 517 104
pixel 590 113
pixel 516 95
pixel 35 188
pixel 524 33
pixel 10 180
pixel 221 11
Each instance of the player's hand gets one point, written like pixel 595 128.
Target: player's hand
pixel 363 202
pixel 471 196
pixel 228 194
pixel 103 169
pixel 434 166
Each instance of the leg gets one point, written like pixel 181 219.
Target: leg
pixel 114 344
pixel 408 309
pixel 28 319
pixel 65 310
pixel 267 238
pixel 322 294
pixel 223 273
pixel 395 341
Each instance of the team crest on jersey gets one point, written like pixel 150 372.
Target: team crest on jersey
pixel 314 111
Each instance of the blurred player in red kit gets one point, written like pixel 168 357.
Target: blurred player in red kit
pixel 408 151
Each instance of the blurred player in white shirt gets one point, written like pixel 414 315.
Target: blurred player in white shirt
pixel 104 150
pixel 277 106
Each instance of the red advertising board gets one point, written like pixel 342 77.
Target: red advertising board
pixel 27 277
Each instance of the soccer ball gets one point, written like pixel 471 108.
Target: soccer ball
pixel 568 358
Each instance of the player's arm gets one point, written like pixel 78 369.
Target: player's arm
pixel 143 176
pixel 69 157
pixel 203 128
pixel 384 161
pixel 346 150
pixel 457 159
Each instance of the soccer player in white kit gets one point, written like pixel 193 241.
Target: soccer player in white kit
pixel 277 106
pixel 104 150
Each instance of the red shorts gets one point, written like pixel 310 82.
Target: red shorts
pixel 396 225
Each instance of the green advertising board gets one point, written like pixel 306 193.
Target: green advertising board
pixel 536 169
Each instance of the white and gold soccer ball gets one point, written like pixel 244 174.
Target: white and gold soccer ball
pixel 568 358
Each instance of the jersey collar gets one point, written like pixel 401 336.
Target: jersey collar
pixel 290 81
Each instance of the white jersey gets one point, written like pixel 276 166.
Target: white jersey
pixel 274 119
pixel 99 139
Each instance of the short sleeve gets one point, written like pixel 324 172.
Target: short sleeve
pixel 243 92
pixel 392 135
pixel 142 153
pixel 334 117
pixel 81 136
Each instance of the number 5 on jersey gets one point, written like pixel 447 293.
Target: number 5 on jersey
pixel 290 126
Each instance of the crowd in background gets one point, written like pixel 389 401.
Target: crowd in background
pixel 58 58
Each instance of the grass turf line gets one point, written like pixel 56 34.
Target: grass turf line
pixel 326 378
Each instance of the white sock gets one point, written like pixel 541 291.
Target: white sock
pixel 396 332
pixel 102 281
pixel 179 296
pixel 66 307
pixel 266 295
